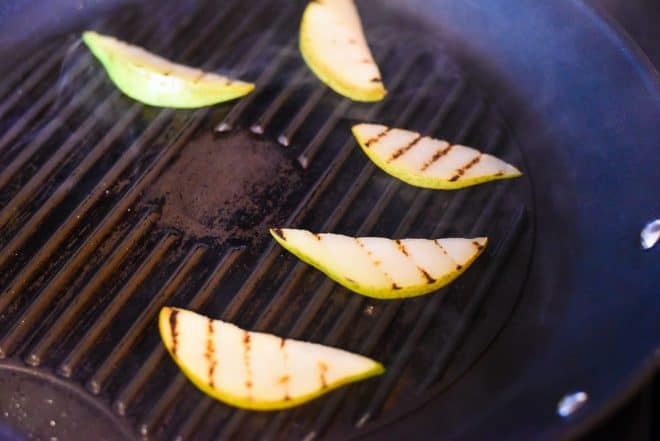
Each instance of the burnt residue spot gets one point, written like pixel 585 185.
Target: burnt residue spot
pixel 317 236
pixel 478 245
pixel 282 343
pixel 210 352
pixel 227 188
pixel 459 267
pixel 375 80
pixel 174 330
pixel 395 286
pixel 279 232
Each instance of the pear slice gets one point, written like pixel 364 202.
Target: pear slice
pixel 427 162
pixel 380 267
pixel 334 47
pixel 156 81
pixel 254 370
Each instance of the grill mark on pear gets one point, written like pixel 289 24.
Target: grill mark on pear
pixel 376 263
pixel 173 330
pixel 246 361
pixel 378 137
pixel 210 352
pixel 403 150
pixel 437 155
pixel 461 171
pixel 323 369
pixel 426 275
pixel 402 247
pixel 285 384
pixel 458 266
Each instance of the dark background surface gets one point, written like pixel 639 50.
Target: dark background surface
pixel 639 419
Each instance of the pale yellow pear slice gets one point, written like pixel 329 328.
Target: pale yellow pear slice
pixel 380 267
pixel 156 81
pixel 334 47
pixel 427 162
pixel 255 370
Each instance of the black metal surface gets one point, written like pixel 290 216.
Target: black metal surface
pixel 110 212
pixel 90 250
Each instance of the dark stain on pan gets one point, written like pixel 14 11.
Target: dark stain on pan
pixel 226 188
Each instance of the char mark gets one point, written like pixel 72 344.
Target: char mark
pixel 323 368
pixel 437 155
pixel 461 171
pixel 246 360
pixel 426 275
pixel 377 137
pixel 210 352
pixel 405 148
pixel 174 330
pixel 279 232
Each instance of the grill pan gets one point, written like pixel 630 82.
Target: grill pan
pixel 110 210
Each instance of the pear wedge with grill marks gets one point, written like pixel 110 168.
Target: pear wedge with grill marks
pixel 427 162
pixel 334 47
pixel 380 267
pixel 153 80
pixel 255 370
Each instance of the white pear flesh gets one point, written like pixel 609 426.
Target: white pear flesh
pixel 380 267
pixel 333 45
pixel 255 370
pixel 153 80
pixel 427 162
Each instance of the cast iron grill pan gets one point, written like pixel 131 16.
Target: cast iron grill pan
pixel 110 210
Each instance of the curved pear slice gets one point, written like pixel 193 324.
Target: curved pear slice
pixel 334 47
pixel 254 370
pixel 154 80
pixel 383 268
pixel 427 162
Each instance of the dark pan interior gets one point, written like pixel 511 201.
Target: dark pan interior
pixel 111 209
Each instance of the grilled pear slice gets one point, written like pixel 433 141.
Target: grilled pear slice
pixel 334 47
pixel 254 370
pixel 427 162
pixel 380 267
pixel 153 80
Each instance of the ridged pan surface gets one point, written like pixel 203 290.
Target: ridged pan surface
pixel 110 209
